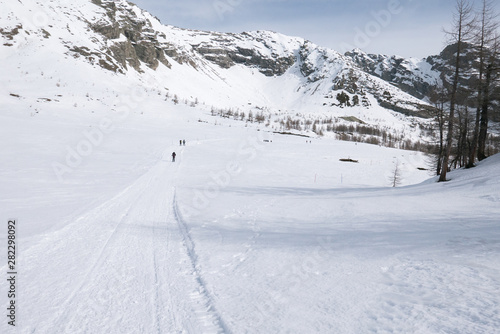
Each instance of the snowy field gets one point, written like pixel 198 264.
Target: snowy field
pixel 247 232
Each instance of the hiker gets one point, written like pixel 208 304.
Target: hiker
pixel 173 157
pixel 180 142
pixel 184 142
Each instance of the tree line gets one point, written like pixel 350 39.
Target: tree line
pixel 469 93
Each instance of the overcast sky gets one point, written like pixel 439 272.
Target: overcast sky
pixel 409 28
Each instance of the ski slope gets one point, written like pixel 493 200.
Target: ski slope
pixel 152 285
pixel 247 232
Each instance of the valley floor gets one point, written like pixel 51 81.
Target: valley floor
pixel 247 232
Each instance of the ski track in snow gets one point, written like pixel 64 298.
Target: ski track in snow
pixel 210 316
pixel 252 262
pixel 340 255
pixel 59 322
pixel 147 255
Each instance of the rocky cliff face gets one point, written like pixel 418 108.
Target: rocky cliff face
pixel 134 39
pixel 416 77
pixel 420 77
pixel 249 49
pixel 120 37
pixel 139 42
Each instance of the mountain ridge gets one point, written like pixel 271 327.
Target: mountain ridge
pixel 288 78
pixel 147 37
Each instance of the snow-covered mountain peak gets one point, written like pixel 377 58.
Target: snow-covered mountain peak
pixel 103 45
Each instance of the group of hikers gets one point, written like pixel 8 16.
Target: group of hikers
pixel 182 142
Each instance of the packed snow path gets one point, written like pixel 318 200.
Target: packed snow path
pixel 128 266
pixel 127 245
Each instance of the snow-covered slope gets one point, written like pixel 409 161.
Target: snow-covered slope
pixel 248 231
pixel 84 47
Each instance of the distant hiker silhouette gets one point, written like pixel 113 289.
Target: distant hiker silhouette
pixel 183 142
pixel 180 142
pixel 173 156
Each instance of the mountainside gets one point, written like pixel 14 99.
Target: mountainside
pixel 423 77
pixel 119 37
pixel 56 50
pixel 415 76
